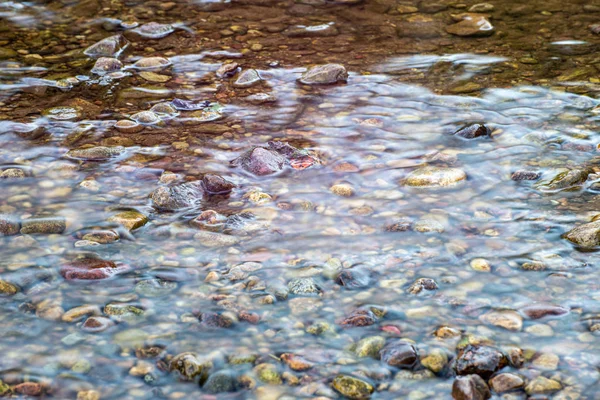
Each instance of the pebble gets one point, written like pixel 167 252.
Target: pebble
pixel 506 382
pixel 248 78
pixel 111 46
pixel 130 219
pixel 507 319
pixel 352 387
pixel 542 385
pixel 429 176
pixel 471 25
pixel 480 265
pixel 9 225
pixel 43 225
pixel 324 75
pixel 106 65
pixel 342 189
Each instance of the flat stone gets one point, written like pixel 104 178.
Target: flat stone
pixel 542 385
pixel 324 75
pixel 471 25
pixel 400 354
pixel 351 387
pixel 323 30
pixel 429 176
pixel 586 235
pixel 111 46
pixel 247 78
pixel 43 225
pixel 507 319
pixel 106 65
pixel 129 219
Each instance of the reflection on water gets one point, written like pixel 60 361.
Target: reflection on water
pixel 182 217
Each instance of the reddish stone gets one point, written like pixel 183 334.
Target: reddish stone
pixel 90 269
pixel 359 318
pixel 29 389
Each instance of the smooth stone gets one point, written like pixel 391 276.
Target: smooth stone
pixel 506 382
pixel 507 319
pixel 428 225
pixel 152 63
pixel 214 239
pixel 342 190
pixel 545 362
pixel 154 77
pixel 542 385
pixel 180 196
pixel 479 360
pixel 102 237
pixel 155 287
pixel 268 374
pixel 227 70
pixel 480 265
pixel 564 179
pixel 323 30
pixel 129 219
pixel 473 131
pixel 260 161
pixel 324 75
pixel 214 184
pixel 78 313
pixel 399 354
pixel 221 382
pixel 369 346
pixel 7 288
pixel 127 126
pixel 154 30
pixel 436 360
pixel 428 176
pixel 537 311
pixel 470 387
pixel 146 118
pixel 90 269
pixel 422 284
pixel 303 287
pixel 261 98
pixel 64 113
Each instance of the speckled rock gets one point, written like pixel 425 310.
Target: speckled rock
pixel 9 225
pixel 111 46
pixel 90 269
pixel 304 287
pixel 422 285
pixel 479 360
pixel 429 176
pixel 98 153
pixel 324 75
pixel 180 196
pixel 507 319
pixel 369 346
pixel 43 225
pixel 106 65
pixel 7 288
pixel 473 131
pixel 96 324
pixel 352 387
pixel 188 366
pixel 542 385
pixel 564 179
pixel 221 382
pixel 268 373
pixel 472 25
pixel 214 184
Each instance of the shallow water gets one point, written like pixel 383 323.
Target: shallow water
pixel 287 258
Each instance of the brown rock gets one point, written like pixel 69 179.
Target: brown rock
pixel 506 382
pixel 470 387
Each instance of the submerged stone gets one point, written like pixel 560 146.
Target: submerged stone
pixel 129 219
pixel 154 30
pixel 127 126
pixel 479 360
pixel 111 46
pixel 324 75
pixel 506 382
pixel 473 131
pixel 90 269
pixel 429 176
pixel 323 30
pixel 106 65
pixel 98 153
pixel 149 63
pixel 247 78
pixel 221 382
pixel 180 196
pixel 146 118
pixel 400 354
pixel 65 113
pixel 9 225
pixel 260 161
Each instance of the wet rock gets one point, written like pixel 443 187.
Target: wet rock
pixel 545 362
pixel 102 237
pixel 98 153
pixel 324 75
pixel 29 389
pixel 400 354
pixel 323 30
pixel 154 77
pixel 422 284
pixel 154 30
pixel 261 98
pixel 111 46
pixel 260 161
pixel 296 362
pixel 29 131
pixel 50 310
pixel 507 319
pixel 352 387
pixel 214 184
pixel 43 225
pixel 342 189
pixel 564 179
pixel 586 235
pixel 445 332
pixel 473 131
pixel 369 346
pixel 398 225
pixel 189 366
pixel 479 360
pixel 81 312
pixel 538 311
pixel 129 219
pixel 211 113
pixel 435 360
pixel 525 175
pixel 221 382
pixel 304 287
pixel 268 373
pixel 152 63
pixel 247 78
pixel 428 225
pixel 146 118
pixel 480 265
pixel 227 70
pixel 90 269
pixel 506 382
pixel 106 65
pixel 470 387
pixel 214 239
pixel 63 113
pixel 127 126
pixel 177 197
pixel 429 176
pixel 155 287
pixel 481 8
pixel 542 385
pixel 7 288
pixel 359 317
pixel 9 225
pixel 354 278
pixel 471 25
pixel 164 110
pixel 13 173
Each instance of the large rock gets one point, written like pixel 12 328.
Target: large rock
pixel 351 387
pixel 586 235
pixel 564 179
pixel 470 387
pixel 429 176
pixel 479 360
pixel 506 382
pixel 324 75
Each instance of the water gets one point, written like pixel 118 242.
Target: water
pixel 295 280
